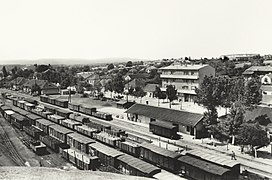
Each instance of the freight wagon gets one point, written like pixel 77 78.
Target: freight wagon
pixel 86 130
pixel 79 142
pixel 69 123
pixel 33 131
pixel 53 143
pixel 79 118
pixel 164 129
pixel 129 147
pixel 38 147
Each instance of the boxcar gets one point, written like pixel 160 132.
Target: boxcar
pixel 82 109
pixel 61 102
pixel 106 155
pixel 98 125
pixel 45 114
pixel 71 124
pixel 51 100
pixel 86 130
pixel 63 113
pixel 20 111
pixel 32 101
pixel 55 118
pixel 15 101
pixel 32 118
pixel 159 156
pixel 21 104
pixel 59 132
pixel 163 129
pixel 129 147
pixel 7 115
pixel 4 108
pixel 50 108
pixel 106 138
pixel 102 115
pixel 79 118
pixel 33 131
pixel 79 142
pixel 80 160
pixel 74 107
pixel 43 124
pixel 19 121
pixel 44 98
pixel 29 106
pixel 133 166
pixel 51 142
pixel 89 111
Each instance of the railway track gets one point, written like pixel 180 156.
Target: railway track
pixel 8 148
pixel 188 145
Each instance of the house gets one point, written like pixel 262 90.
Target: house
pixel 46 87
pixel 150 88
pixel 187 122
pixel 17 83
pixel 95 78
pixel 267 79
pixel 257 70
pixel 185 77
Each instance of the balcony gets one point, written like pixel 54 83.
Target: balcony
pixel 172 76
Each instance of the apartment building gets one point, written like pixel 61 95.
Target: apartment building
pixel 186 78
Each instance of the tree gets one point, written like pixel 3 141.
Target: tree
pixel 252 135
pixel 86 68
pixel 36 88
pixel 110 66
pixel 158 93
pixel 139 92
pixel 171 93
pixel 5 73
pixel 253 95
pixel 109 87
pixel 129 64
pixel 118 83
pixel 235 119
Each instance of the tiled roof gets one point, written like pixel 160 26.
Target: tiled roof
pixel 165 114
pixel 150 87
pixel 139 164
pixel 159 150
pixel 203 165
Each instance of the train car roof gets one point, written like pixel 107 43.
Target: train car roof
pixel 45 122
pixel 139 164
pixel 20 111
pixel 4 107
pixel 159 150
pixel 212 158
pixel 163 124
pixel 70 121
pixel 62 100
pixel 55 116
pixel 64 111
pixel 33 116
pixel 105 149
pixel 9 112
pixel 203 165
pixel 61 129
pixel 87 128
pixel 18 116
pixel 80 138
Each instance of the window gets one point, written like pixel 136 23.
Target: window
pixel 187 128
pixel 186 73
pixel 192 72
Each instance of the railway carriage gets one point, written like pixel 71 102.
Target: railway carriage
pixel 79 118
pixel 133 166
pixel 106 155
pixel 32 101
pixel 7 115
pixel 63 113
pixel 32 118
pixel 19 121
pixel 33 131
pixel 55 118
pixel 61 102
pixel 21 104
pixel 59 132
pixel 159 156
pixel 86 130
pixel 43 124
pixel 51 100
pixel 29 106
pixel 4 108
pixel 106 138
pixel 44 98
pixel 50 108
pixel 102 115
pixel 53 143
pixel 129 147
pixel 79 142
pixel 69 123
pixel 164 129
pixel 74 107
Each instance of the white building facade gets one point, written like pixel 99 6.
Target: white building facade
pixel 186 78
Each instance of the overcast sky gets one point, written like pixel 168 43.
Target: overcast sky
pixel 145 29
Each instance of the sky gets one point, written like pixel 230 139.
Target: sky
pixel 143 29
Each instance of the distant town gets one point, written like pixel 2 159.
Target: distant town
pixel 178 118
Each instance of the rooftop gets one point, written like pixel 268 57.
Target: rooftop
pixel 160 150
pixel 184 67
pixel 165 114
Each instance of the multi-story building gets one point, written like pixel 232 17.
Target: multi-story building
pixel 186 78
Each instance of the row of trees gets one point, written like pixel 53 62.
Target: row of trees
pixel 237 94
